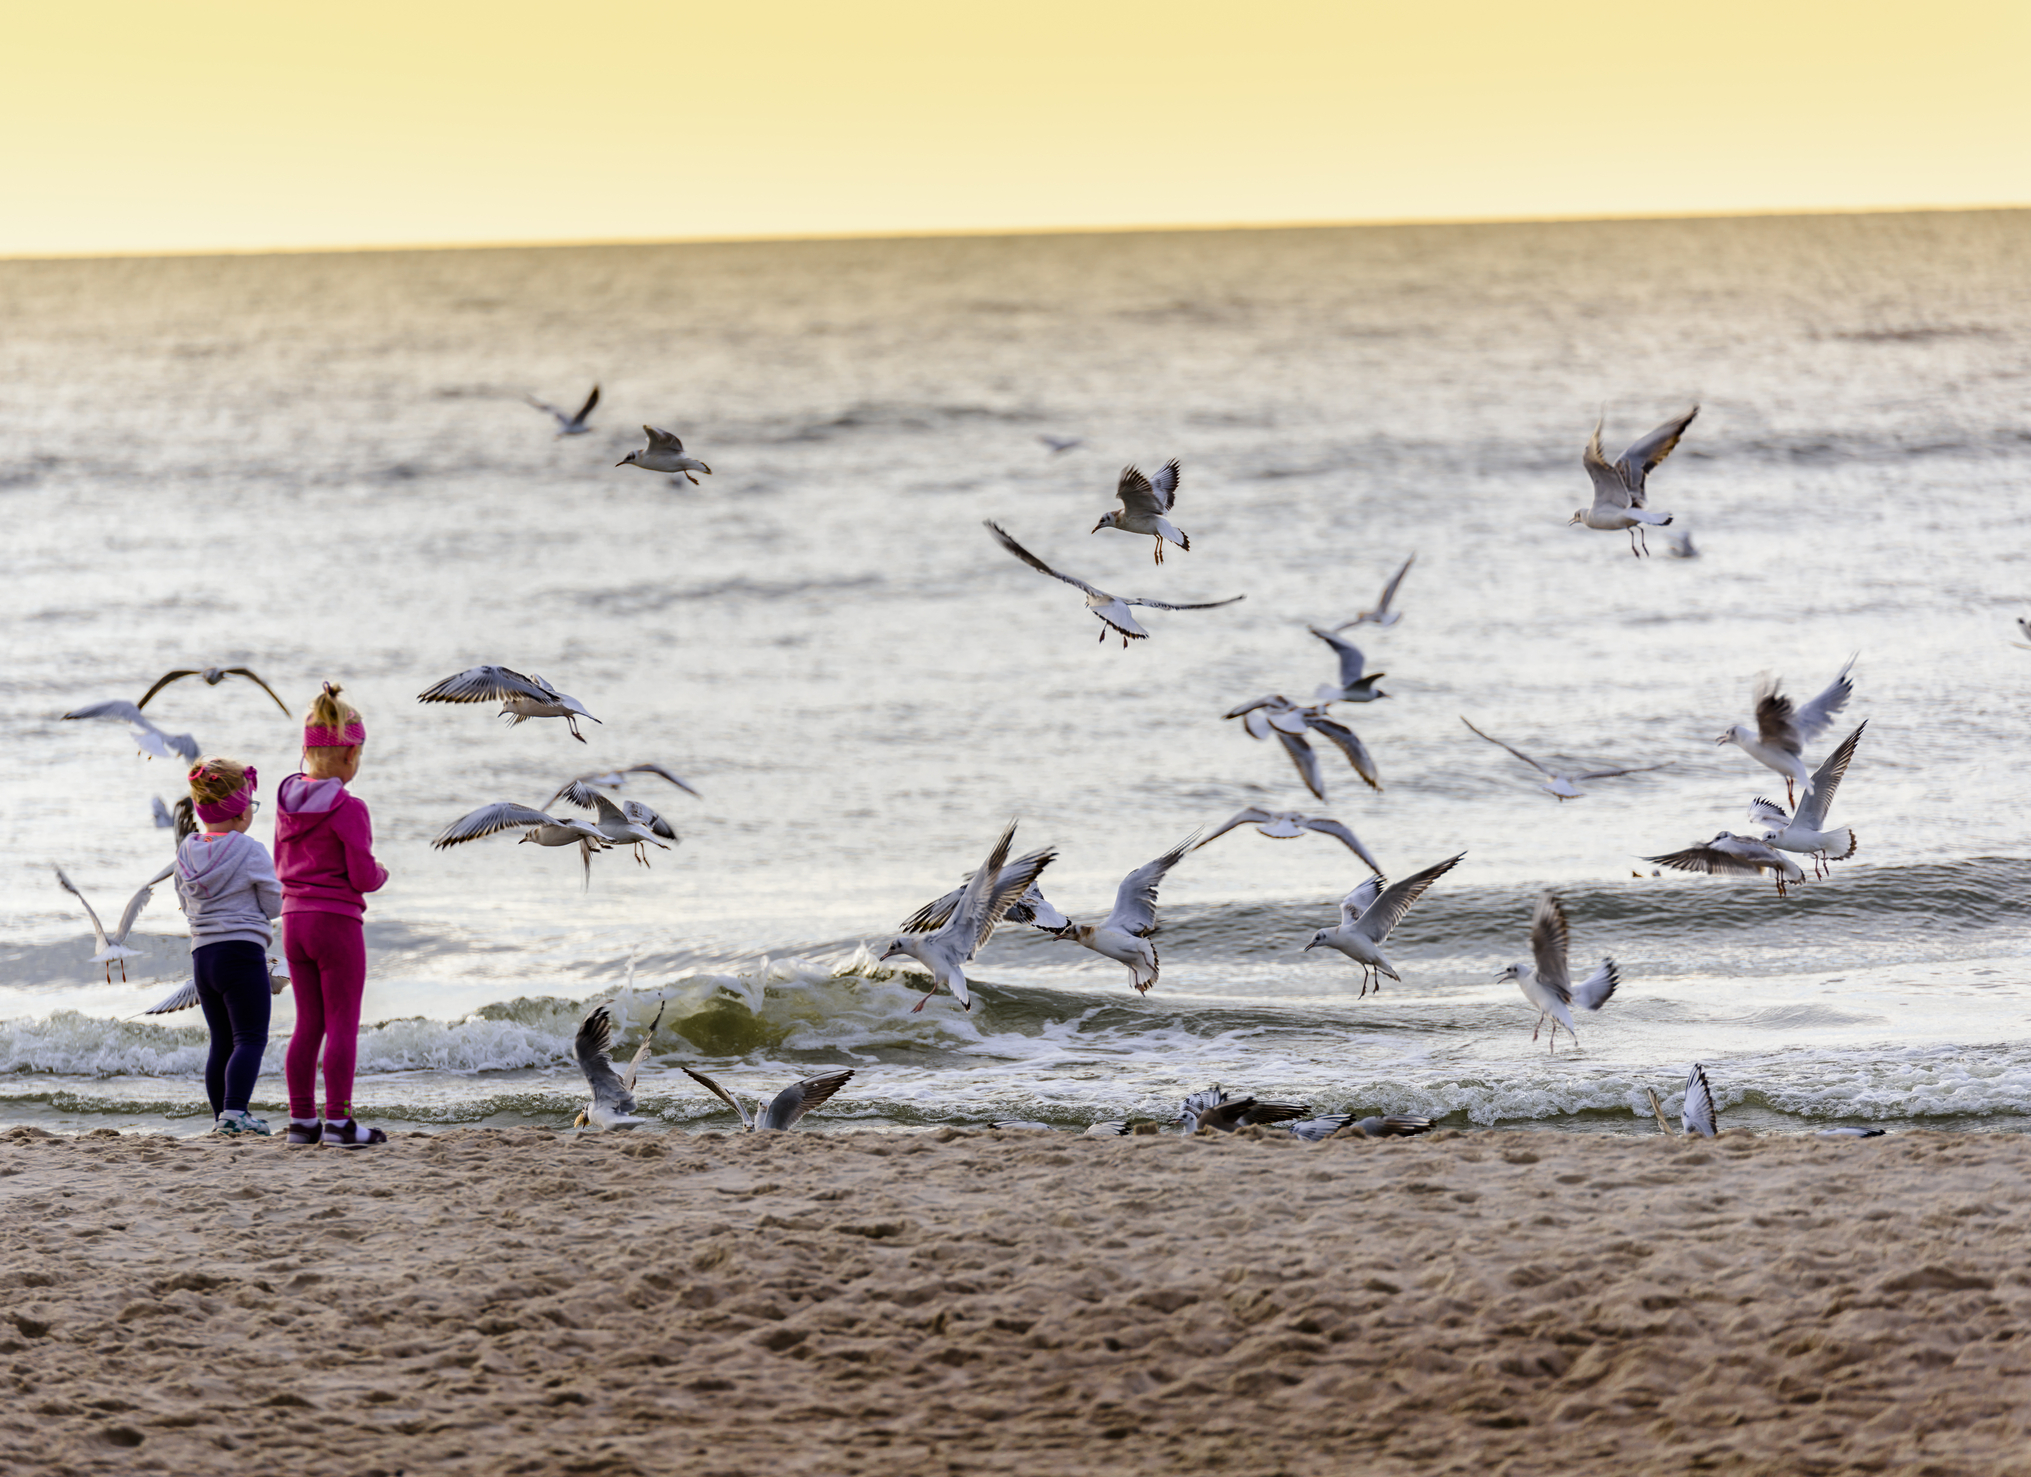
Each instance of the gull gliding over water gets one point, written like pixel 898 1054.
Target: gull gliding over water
pixel 665 453
pixel 520 697
pixel 535 825
pixel 1729 855
pixel 1806 831
pixel 1125 936
pixel 1284 824
pixel 1368 913
pixel 1289 722
pixel 213 676
pixel 1144 501
pixel 1619 487
pixel 613 1093
pixel 1382 615
pixel 792 1103
pixel 147 737
pixel 1112 610
pixel 986 900
pixel 1548 983
pixel 1561 784
pixel 1355 685
pixel 113 946
pixel 568 425
pixel 1782 731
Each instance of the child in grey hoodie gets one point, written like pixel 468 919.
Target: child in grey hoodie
pixel 228 889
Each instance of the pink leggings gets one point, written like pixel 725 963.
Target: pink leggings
pixel 328 972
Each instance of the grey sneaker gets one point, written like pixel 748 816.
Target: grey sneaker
pixel 232 1124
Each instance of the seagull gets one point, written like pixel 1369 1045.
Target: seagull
pixel 1850 1131
pixel 535 825
pixel 1548 984
pixel 578 790
pixel 1699 1115
pixel 520 697
pixel 1806 831
pixel 1782 731
pixel 164 821
pixel 1283 824
pixel 987 898
pixel 1061 444
pixel 1729 855
pixel 630 823
pixel 149 738
pixel 1279 715
pixel 792 1103
pixel 1352 687
pixel 1144 501
pixel 1382 615
pixel 1031 908
pixel 213 676
pixel 1368 913
pixel 1106 1128
pixel 1394 1126
pixel 113 946
pixel 613 1093
pixel 1223 1113
pixel 665 453
pixel 184 996
pixel 1564 786
pixel 1682 546
pixel 1112 610
pixel 1619 489
pixel 1125 936
pixel 2024 626
pixel 568 425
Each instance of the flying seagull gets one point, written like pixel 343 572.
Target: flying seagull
pixel 1031 908
pixel 1548 984
pixel 1144 501
pixel 1619 487
pixel 665 453
pixel 1354 685
pixel 520 697
pixel 613 1093
pixel 113 947
pixel 1729 855
pixel 1561 784
pixel 1125 936
pixel 1778 741
pixel 213 676
pixel 578 790
pixel 184 996
pixel 1284 824
pixel 1382 615
pixel 164 820
pixel 147 737
pixel 1112 610
pixel 568 425
pixel 792 1103
pixel 1059 445
pixel 630 823
pixel 1368 913
pixel 1807 830
pixel 1289 722
pixel 535 825
pixel 991 892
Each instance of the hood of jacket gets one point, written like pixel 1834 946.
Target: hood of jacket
pixel 208 863
pixel 303 804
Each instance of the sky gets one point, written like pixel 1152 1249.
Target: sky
pixel 140 127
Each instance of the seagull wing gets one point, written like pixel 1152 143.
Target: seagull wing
pixel 1002 537
pixel 1314 1130
pixel 1610 491
pixel 646 817
pixel 1361 899
pixel 248 673
pixel 1017 880
pixel 548 409
pixel 1138 496
pixel 1326 825
pixel 1343 738
pixel 936 914
pixel 1165 482
pixel 1770 815
pixel 1776 720
pixel 185 815
pixel 1827 779
pixel 1711 860
pixel 642 1051
pixel 1550 942
pixel 160 683
pixel 662 440
pixel 1594 991
pixel 503 815
pixel 1517 752
pixel 1818 715
pixel 119 710
pixel 486 685
pixel 1389 909
pixel 139 901
pixel 1261 702
pixel 1641 459
pixel 799 1098
pixel 1609 774
pixel 609 813
pixel 719 1092
pixel 1352 662
pixel 586 409
pixel 98 928
pixel 1135 901
pixel 1389 590
pixel 1699 1114
pixel 974 915
pixel 577 792
pixel 1172 605
pixel 1302 756
pixel 163 819
pixel 592 1046
pixel 183 997
pixel 657 769
pixel 1249 817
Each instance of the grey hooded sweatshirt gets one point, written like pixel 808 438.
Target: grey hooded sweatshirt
pixel 227 886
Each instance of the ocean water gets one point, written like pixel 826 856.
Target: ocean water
pixel 321 467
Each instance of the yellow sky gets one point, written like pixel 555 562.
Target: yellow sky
pixel 137 125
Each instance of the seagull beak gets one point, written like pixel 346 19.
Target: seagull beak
pixel 1309 947
pixel 1724 738
pixel 625 460
pixel 1098 526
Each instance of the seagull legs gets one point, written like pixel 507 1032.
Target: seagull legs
pixel 1638 545
pixel 1160 549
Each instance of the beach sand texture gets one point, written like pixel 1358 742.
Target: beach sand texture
pixel 1504 1302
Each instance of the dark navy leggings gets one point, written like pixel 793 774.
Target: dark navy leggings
pixel 232 990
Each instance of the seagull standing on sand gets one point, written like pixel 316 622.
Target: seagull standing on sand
pixel 1125 936
pixel 113 946
pixel 1548 984
pixel 535 825
pixel 1144 501
pixel 1778 741
pixel 568 425
pixel 147 737
pixel 988 896
pixel 1619 487
pixel 1382 615
pixel 520 697
pixel 1289 722
pixel 613 1093
pixel 1368 913
pixel 1729 855
pixel 1112 610
pixel 1283 824
pixel 665 453
pixel 1353 686
pixel 1564 786
pixel 213 676
pixel 1806 831
pixel 792 1103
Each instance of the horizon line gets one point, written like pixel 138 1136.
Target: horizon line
pixel 990 232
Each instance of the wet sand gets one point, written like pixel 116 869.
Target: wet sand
pixel 527 1302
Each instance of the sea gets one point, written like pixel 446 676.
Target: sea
pixel 323 467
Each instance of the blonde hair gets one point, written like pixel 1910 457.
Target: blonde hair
pixel 213 779
pixel 328 710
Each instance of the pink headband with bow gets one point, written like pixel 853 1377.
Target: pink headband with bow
pixel 234 805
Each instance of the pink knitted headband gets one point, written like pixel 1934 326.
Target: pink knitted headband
pixel 233 805
pixel 355 732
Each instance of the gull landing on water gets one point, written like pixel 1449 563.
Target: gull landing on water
pixel 664 453
pixel 112 947
pixel 989 895
pixel 1368 913
pixel 613 1093
pixel 1289 722
pixel 1782 731
pixel 1284 824
pixel 792 1103
pixel 1112 610
pixel 1619 487
pixel 1144 501
pixel 1564 786
pixel 1729 855
pixel 147 737
pixel 1806 831
pixel 1547 984
pixel 213 676
pixel 520 697
pixel 1125 936
pixel 568 425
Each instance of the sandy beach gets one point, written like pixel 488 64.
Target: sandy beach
pixel 529 1302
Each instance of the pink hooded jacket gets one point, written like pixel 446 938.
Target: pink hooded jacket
pixel 324 848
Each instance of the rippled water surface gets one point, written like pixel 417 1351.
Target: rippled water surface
pixel 321 466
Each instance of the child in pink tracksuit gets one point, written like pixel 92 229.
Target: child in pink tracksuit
pixel 324 856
